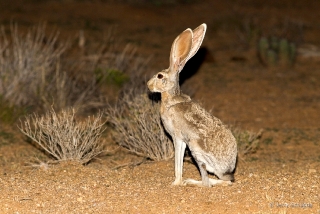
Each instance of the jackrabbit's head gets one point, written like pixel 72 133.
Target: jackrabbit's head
pixel 183 48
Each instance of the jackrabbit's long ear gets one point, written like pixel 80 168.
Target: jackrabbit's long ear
pixel 180 50
pixel 198 36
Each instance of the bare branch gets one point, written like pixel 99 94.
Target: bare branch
pixel 61 136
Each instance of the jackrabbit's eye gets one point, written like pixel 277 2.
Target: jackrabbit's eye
pixel 159 76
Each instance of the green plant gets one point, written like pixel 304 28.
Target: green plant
pixel 63 137
pixel 111 76
pixel 276 51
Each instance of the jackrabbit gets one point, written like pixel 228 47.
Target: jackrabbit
pixel 211 143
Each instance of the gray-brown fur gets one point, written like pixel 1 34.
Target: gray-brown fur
pixel 211 143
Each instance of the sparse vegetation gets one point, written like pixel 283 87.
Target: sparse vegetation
pixel 63 137
pixel 248 141
pixel 33 75
pixel 137 126
pixel 27 62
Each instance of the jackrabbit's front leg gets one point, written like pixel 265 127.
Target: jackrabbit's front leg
pixel 179 147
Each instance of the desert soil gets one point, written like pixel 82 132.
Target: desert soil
pixel 281 177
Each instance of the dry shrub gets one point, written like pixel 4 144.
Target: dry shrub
pixel 248 141
pixel 26 61
pixel 33 74
pixel 137 127
pixel 64 138
pixel 111 64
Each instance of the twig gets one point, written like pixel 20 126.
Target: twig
pixel 131 164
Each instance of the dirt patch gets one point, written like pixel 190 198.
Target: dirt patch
pixel 282 177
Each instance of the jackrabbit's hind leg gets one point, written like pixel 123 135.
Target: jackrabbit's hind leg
pixel 214 182
pixel 209 182
pixel 225 179
pixel 204 176
pixel 227 176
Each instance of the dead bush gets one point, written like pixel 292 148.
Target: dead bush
pixel 137 126
pixel 65 138
pixel 33 74
pixel 25 63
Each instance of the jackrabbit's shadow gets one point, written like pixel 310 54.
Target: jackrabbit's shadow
pixel 193 65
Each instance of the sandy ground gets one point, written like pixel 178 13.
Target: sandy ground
pixel 282 177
